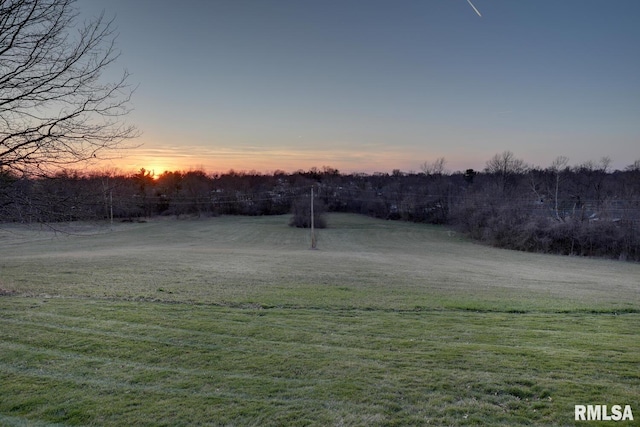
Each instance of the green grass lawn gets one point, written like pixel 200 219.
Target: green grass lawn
pixel 234 321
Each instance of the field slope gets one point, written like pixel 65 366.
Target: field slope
pixel 234 321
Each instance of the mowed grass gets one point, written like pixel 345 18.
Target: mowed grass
pixel 234 321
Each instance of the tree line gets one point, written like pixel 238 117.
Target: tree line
pixel 587 209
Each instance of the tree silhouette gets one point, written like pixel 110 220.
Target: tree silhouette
pixel 54 109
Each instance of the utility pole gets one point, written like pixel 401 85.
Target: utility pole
pixel 313 233
pixel 111 206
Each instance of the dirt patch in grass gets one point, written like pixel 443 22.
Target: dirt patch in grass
pixel 6 292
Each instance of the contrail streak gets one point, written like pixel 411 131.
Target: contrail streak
pixel 474 8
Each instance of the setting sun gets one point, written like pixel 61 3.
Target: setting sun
pixel 152 166
pixel 155 171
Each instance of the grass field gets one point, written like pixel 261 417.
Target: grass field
pixel 234 321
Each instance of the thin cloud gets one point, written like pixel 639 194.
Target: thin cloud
pixel 474 8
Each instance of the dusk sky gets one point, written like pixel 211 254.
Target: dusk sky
pixel 369 85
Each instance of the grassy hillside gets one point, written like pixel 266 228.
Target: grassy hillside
pixel 361 263
pixel 234 321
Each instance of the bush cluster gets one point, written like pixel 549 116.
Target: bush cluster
pixel 514 228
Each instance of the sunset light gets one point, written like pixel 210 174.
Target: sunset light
pixel 155 172
pixel 369 158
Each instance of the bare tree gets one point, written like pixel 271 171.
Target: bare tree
pixel 635 166
pixel 435 168
pixel 55 110
pixel 558 165
pixel 592 175
pixel 505 163
pixel 505 166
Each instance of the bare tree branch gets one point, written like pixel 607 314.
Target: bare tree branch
pixel 54 108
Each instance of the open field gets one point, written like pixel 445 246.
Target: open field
pixel 233 321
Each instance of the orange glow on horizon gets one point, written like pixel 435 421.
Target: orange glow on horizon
pixel 157 154
pixel 259 165
pixel 154 169
pixel 163 158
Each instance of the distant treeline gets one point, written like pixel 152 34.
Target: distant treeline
pixel 586 210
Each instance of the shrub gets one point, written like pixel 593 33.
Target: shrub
pixel 301 210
